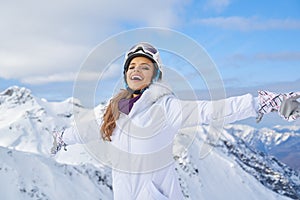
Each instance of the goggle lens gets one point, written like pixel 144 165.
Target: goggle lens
pixel 147 48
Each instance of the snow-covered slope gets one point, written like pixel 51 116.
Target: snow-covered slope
pixel 283 142
pixel 232 170
pixel 26 122
pixel 225 166
pixel 31 176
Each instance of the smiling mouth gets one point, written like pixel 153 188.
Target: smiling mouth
pixel 136 78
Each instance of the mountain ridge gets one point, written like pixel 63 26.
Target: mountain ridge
pixel 26 137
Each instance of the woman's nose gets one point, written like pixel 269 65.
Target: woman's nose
pixel 137 69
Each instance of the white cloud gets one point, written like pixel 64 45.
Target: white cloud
pixel 274 56
pixel 279 56
pixel 41 38
pixel 249 24
pixel 112 72
pixel 53 78
pixel 40 57
pixel 217 5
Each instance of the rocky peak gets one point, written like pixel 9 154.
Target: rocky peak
pixel 15 96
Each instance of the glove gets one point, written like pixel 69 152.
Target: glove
pixel 271 102
pixel 268 102
pixel 290 107
pixel 58 143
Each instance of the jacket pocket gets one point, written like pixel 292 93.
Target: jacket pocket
pixel 150 192
pixel 153 190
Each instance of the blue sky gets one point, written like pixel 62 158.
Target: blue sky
pixel 254 44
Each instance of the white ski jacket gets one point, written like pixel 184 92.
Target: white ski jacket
pixel 141 148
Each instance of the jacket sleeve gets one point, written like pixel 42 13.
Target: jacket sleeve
pixel 190 113
pixel 85 129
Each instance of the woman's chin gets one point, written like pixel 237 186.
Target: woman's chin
pixel 137 87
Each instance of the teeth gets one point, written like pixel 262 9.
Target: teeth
pixel 136 77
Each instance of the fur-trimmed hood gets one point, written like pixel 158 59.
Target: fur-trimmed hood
pixel 155 91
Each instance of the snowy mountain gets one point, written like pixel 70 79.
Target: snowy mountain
pixel 283 142
pixel 32 176
pixel 233 169
pixel 232 157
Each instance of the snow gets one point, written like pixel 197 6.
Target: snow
pixel 219 176
pixel 231 169
pixel 30 176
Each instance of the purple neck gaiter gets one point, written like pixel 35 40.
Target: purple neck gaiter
pixel 125 105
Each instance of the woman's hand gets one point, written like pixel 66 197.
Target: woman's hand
pixel 290 108
pixel 58 142
pixel 286 104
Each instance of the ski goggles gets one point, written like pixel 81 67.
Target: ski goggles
pixel 145 47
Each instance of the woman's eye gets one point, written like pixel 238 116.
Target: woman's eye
pixel 145 67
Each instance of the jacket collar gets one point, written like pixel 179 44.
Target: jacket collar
pixel 155 91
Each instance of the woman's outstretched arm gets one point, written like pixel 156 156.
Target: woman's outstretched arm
pixel 232 109
pixel 85 129
pixel 192 113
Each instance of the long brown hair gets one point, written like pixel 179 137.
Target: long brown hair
pixel 111 114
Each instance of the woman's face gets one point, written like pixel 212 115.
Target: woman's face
pixel 140 72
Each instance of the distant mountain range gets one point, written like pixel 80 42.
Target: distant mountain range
pixel 283 142
pixel 242 164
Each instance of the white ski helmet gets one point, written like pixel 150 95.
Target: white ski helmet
pixel 146 50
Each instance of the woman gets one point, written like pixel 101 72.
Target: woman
pixel 144 118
